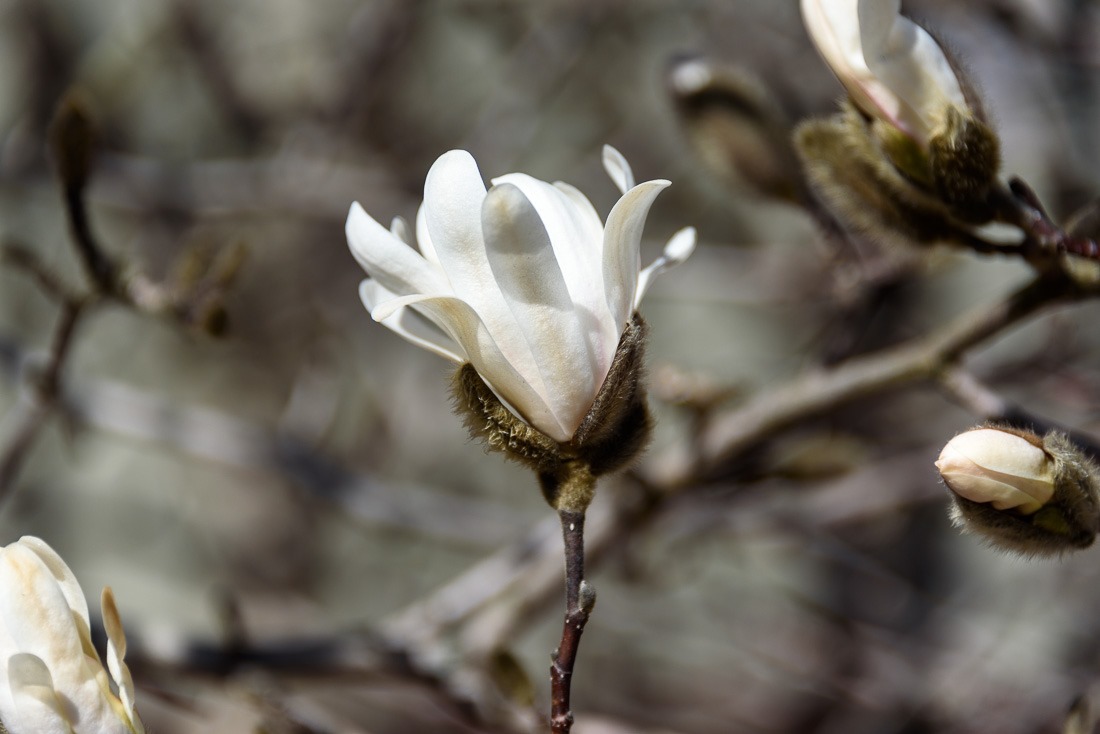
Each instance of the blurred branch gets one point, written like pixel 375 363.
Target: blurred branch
pixel 983 401
pixel 197 303
pixel 216 70
pixel 1019 205
pixel 30 417
pixel 773 410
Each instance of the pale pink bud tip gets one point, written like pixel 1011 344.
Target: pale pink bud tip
pixel 997 467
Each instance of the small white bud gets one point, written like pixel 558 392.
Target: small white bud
pixel 1003 469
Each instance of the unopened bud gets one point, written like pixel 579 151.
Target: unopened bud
pixel 72 140
pixel 1009 471
pixel 1030 494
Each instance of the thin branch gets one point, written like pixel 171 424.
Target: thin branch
pixel 981 400
pixel 579 600
pixel 100 270
pixel 818 391
pixel 22 258
pixel 1020 206
pixel 28 424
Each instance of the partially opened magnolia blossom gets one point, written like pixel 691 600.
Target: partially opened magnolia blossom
pixel 51 679
pixel 522 280
pixel 892 68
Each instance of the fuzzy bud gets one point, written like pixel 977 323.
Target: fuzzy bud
pixel 1033 495
pixel 72 140
pixel 736 127
pixel 612 433
pixel 918 159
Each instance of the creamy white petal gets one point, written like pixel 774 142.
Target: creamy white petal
pixel 62 574
pixel 410 326
pixel 891 67
pixel 41 623
pixel 622 248
pixel 116 654
pixel 7 649
pixel 37 707
pixel 399 228
pixel 618 169
pixel 678 249
pixel 462 323
pixel 386 259
pixel 588 219
pixel 905 58
pixel 834 28
pixel 528 274
pixel 423 238
pixel 453 196
pixel 576 234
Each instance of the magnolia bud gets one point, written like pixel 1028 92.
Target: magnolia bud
pixel 1022 492
pixel 1006 470
pixel 912 155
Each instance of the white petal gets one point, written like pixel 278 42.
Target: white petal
pixel 399 228
pixel 389 260
pixel 586 217
pixel 576 234
pixel 911 64
pixel 528 274
pixel 409 325
pixel 37 615
pixel 622 244
pixel 618 169
pixel 678 248
pixel 37 705
pixel 453 196
pixel 34 607
pixel 116 652
pixel 834 27
pixel 891 67
pixel 423 239
pixel 61 573
pixel 462 324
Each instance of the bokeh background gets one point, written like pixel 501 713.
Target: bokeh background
pixel 300 480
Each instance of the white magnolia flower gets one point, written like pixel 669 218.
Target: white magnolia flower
pixel 523 281
pixel 892 68
pixel 1001 468
pixel 51 679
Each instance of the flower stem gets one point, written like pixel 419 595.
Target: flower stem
pixel 580 597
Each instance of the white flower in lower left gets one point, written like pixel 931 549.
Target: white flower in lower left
pixel 51 679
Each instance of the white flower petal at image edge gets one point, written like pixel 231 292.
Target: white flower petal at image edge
pixel 51 679
pixel 892 68
pixel 1001 468
pixel 522 280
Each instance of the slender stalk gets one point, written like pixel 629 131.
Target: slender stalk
pixel 99 269
pixel 28 422
pixel 580 597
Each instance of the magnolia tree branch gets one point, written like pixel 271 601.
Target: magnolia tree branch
pixel 579 600
pixel 983 401
pixel 732 432
pixel 1019 205
pixel 27 422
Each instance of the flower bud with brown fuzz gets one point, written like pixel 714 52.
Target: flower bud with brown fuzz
pixel 912 154
pixel 612 433
pixel 1024 493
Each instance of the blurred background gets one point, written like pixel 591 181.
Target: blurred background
pixel 270 502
